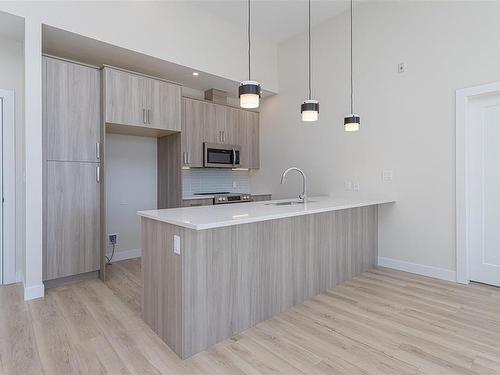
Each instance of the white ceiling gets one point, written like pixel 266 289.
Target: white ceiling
pixel 276 20
pixel 11 27
pixel 76 47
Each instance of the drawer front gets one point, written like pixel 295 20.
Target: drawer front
pixel 197 202
pixel 259 198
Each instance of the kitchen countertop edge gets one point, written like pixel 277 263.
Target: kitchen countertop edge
pixel 154 214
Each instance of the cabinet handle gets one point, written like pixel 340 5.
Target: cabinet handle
pixel 98 174
pixel 144 115
pixel 184 157
pixel 149 116
pixel 98 150
pixel 224 136
pixel 188 157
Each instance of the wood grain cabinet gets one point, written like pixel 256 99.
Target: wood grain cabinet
pixel 197 202
pixel 72 218
pixel 216 128
pixel 72 168
pixel 72 111
pixel 192 137
pixel 164 106
pixel 139 101
pixel 248 139
pixel 214 123
pixel 261 197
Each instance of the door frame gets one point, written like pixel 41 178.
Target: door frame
pixel 462 126
pixel 7 189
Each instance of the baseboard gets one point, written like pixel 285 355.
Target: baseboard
pixel 419 269
pixel 32 292
pixel 126 254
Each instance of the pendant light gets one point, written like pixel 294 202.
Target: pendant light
pixel 310 108
pixel 249 91
pixel 351 121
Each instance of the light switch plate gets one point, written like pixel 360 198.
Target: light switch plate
pixel 177 244
pixel 348 186
pixel 355 186
pixel 387 175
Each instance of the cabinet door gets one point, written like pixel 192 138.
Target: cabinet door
pixel 197 202
pixel 249 136
pixel 231 133
pixel 193 121
pixel 72 219
pixel 126 98
pixel 211 133
pixel 164 106
pixel 72 111
pixel 252 134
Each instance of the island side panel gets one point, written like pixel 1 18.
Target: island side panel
pixel 161 273
pixel 237 276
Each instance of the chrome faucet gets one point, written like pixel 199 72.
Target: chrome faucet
pixel 303 196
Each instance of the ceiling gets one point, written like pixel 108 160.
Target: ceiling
pixel 11 27
pixel 276 20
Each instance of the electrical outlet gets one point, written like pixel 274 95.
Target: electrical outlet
pixel 177 244
pixel 355 186
pixel 113 238
pixel 401 68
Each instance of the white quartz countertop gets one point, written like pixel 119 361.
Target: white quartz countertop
pixel 207 217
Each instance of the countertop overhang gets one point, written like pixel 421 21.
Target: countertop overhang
pixel 208 217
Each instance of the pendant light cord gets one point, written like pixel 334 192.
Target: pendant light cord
pixel 351 66
pixel 249 42
pixel 310 50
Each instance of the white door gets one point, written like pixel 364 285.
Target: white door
pixel 483 188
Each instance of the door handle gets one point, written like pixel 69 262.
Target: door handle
pixel 98 150
pixel 143 115
pixel 234 157
pixel 98 173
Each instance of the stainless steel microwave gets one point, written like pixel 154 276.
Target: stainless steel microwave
pixel 218 155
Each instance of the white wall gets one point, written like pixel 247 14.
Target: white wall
pixel 12 78
pixel 408 119
pixel 176 31
pixel 130 186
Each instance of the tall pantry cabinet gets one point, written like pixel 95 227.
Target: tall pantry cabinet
pixel 72 168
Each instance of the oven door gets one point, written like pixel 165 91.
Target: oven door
pixel 217 155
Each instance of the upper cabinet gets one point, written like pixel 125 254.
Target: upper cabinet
pixel 214 123
pixel 193 125
pixel 139 101
pixel 72 111
pixel 248 126
pixel 164 106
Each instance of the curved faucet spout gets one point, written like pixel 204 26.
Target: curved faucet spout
pixel 303 196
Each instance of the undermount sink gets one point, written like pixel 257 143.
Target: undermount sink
pixel 287 203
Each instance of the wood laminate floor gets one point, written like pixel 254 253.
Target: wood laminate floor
pixel 382 322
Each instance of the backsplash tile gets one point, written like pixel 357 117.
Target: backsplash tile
pixel 207 180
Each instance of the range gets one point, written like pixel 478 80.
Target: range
pixel 227 197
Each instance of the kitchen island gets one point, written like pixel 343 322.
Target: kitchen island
pixel 211 272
